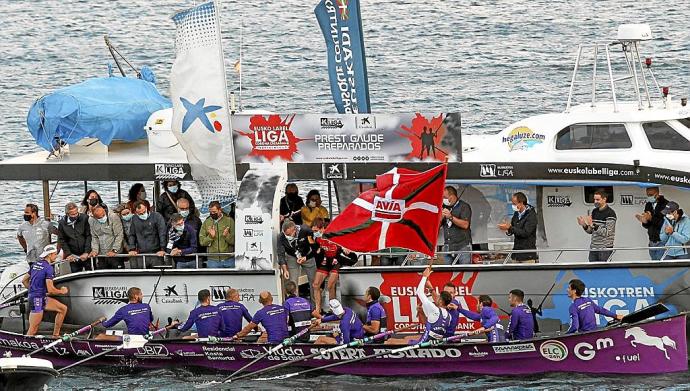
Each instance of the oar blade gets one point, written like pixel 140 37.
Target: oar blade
pixel 131 341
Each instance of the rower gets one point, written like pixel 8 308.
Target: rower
pixel 136 315
pixel 232 312
pixel 377 320
pixel 452 307
pixel 273 317
pixel 435 316
pixel 299 311
pixel 39 282
pixel 206 318
pixel 488 318
pixel 350 325
pixel 583 309
pixel 521 323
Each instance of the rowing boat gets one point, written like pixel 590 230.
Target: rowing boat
pixel 653 346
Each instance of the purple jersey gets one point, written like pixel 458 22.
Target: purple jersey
pixel 350 326
pixel 375 311
pixel 137 317
pixel 299 314
pixel 207 320
pixel 488 318
pixel 454 315
pixel 40 271
pixel 436 330
pixel 274 318
pixel 232 313
pixel 582 315
pixel 521 324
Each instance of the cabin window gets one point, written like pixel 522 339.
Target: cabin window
pixel 685 122
pixel 589 193
pixel 662 136
pixel 593 136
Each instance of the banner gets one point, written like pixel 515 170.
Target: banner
pixel 319 138
pixel 341 25
pixel 201 120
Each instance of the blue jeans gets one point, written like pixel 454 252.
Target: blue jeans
pixel 224 264
pixel 672 257
pixel 463 258
pixel 655 254
pixel 185 265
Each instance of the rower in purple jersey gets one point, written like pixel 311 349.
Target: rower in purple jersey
pixel 434 315
pixel 452 307
pixel 273 318
pixel 233 312
pixel 521 324
pixel 206 318
pixel 488 318
pixel 299 311
pixel 136 315
pixel 583 309
pixel 377 321
pixel 350 325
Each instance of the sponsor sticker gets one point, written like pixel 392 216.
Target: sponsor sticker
pixel 334 171
pixel 331 123
pixel 496 171
pixel 558 201
pixel 365 122
pixel 109 294
pixel 387 209
pixel 553 350
pixel 522 138
pixel 169 171
pixel 173 294
pixel 516 348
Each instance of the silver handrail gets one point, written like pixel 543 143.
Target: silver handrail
pixel 164 256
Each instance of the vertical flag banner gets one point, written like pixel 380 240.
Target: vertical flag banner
pixel 201 120
pixel 404 210
pixel 341 24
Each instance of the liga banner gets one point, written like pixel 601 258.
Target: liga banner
pixel 322 138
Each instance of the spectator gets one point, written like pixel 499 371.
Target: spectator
pixel 107 236
pixel 218 236
pixel 291 205
pixel 91 199
pixel 295 254
pixel 167 202
pixel 653 219
pixel 456 221
pixel 126 217
pixel 523 227
pixel 74 238
pixel 34 233
pixel 146 235
pixel 675 231
pixel 182 241
pixel 313 209
pixel 136 193
pixel 601 224
pixel 189 216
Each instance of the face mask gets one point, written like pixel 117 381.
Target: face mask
pixel 215 216
pixel 597 204
pixel 446 202
pixel 289 238
pixel 651 199
pixel 27 217
pixel 103 219
pixel 173 189
pixel 317 234
pixel 312 204
pixel 127 217
pixel 179 228
pixel 184 213
pixel 515 208
pixel 141 196
pixel 93 201
pixel 292 196
pixel 670 216
pixel 143 216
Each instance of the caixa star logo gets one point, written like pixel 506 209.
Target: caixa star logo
pixel 202 113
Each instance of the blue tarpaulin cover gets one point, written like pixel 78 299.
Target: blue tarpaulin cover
pixel 112 108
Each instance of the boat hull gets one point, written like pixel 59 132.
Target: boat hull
pixel 657 346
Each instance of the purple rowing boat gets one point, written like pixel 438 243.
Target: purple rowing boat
pixel 654 346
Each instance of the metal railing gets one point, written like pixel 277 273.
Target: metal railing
pixel 197 258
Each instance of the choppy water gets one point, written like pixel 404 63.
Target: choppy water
pixel 494 61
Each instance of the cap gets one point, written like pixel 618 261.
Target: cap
pixel 49 249
pixel 336 307
pixel 670 207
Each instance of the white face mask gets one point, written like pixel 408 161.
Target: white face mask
pixel 446 202
pixel 312 204
pixel 670 216
pixel 515 208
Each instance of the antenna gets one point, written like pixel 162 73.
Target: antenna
pixel 241 64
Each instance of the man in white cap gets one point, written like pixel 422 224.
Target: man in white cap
pixel 39 282
pixel 350 325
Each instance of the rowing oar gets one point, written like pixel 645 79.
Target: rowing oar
pixel 286 342
pixel 673 294
pixel 66 337
pixel 394 351
pixel 547 295
pixel 352 344
pixel 128 342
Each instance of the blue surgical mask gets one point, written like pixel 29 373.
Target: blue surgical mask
pixel 184 213
pixel 103 219
pixel 173 189
pixel 127 217
pixel 597 204
pixel 651 199
pixel 515 208
pixel 143 216
pixel 317 234
pixel 670 216
pixel 179 228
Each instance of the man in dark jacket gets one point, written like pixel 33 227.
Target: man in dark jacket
pixel 182 241
pixel 167 202
pixel 74 238
pixel 653 220
pixel 523 227
pixel 147 235
pixel 296 253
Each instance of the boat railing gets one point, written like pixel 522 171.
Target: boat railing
pixel 504 256
pixel 198 258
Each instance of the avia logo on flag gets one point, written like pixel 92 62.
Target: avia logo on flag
pixel 387 209
pixel 404 210
pixel 198 111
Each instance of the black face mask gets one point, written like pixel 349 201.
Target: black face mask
pixel 292 196
pixel 214 216
pixel 93 202
pixel 27 217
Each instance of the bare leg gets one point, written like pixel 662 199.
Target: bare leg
pixel 324 340
pixel 316 288
pixel 402 341
pixel 332 282
pixel 35 319
pixel 60 309
pixel 106 337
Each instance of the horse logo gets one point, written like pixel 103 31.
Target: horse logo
pixel 640 336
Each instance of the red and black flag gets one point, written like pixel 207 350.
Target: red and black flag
pixel 404 210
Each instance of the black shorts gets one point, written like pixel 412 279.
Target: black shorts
pixel 327 265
